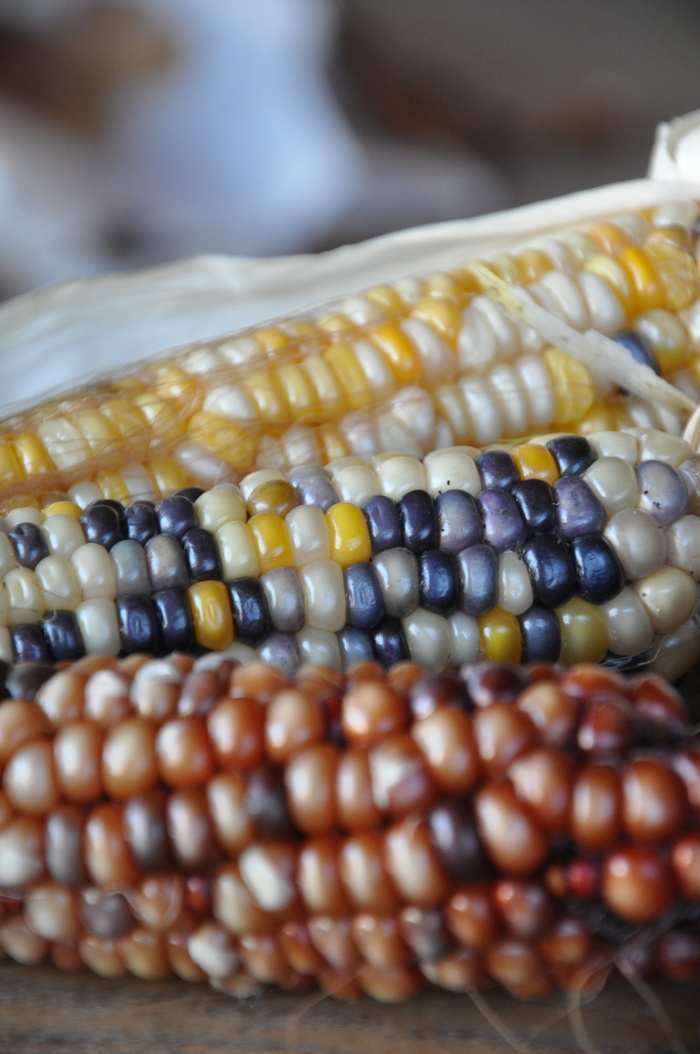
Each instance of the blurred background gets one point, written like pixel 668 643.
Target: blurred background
pixel 134 132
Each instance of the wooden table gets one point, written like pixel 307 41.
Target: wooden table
pixel 42 1010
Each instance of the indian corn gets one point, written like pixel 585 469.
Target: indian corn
pixel 426 363
pixel 526 827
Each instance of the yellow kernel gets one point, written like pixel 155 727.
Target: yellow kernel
pixel 298 393
pixel 533 264
pixel 10 468
pixel 211 615
pixel 32 454
pixel 271 539
pixel 645 277
pixel 584 634
pixel 301 329
pixel 599 418
pixel 349 534
pixel 166 474
pixel 399 352
pixel 679 273
pixel 534 461
pixel 171 382
pixel 508 267
pixel 113 487
pixel 325 384
pixel 385 296
pixel 440 284
pixel 499 636
pixel 332 444
pixel 271 338
pixel 266 395
pixel 62 508
pixel 334 322
pixel 441 314
pixel 617 278
pixel 343 362
pixel 611 238
pixel 164 417
pixel 232 443
pixel 667 337
pixel 571 384
pixel 128 419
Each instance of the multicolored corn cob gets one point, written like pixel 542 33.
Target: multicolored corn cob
pixel 426 363
pixel 520 826
pixel 567 549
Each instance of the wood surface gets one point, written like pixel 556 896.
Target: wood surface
pixel 48 1012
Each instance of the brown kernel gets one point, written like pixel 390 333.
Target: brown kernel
pixel 61 697
pixel 516 845
pixel 50 911
pixel 226 797
pixel 357 810
pixel 184 753
pixel 685 859
pixel 502 734
pixel 364 876
pixel 20 722
pixel 310 781
pixel 77 751
pixel 637 883
pixel 144 955
pixel 554 712
pixel 29 780
pixel 401 781
pixel 472 918
pixel 543 779
pixel 596 809
pixel 256 681
pixel 379 941
pixel 107 855
pixel 653 800
pixel 372 710
pixel 332 939
pixel 235 728
pixel 318 877
pixel 413 863
pixel 293 720
pixel 190 831
pixel 446 738
pixel 128 758
pixel 145 830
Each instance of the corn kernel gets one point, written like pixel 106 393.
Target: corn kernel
pixel 343 361
pixel 572 386
pixel 611 238
pixel 500 636
pixel 298 393
pixel 211 615
pixel 679 273
pixel 166 474
pixel 266 395
pixel 10 468
pixel 62 508
pixel 584 633
pixel 442 315
pixel 271 540
pixel 113 487
pixel 534 461
pixel 533 264
pixel 645 278
pixel 617 278
pixel 349 534
pixel 32 454
pixel 399 352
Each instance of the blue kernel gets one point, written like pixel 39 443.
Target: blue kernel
pixel 281 650
pixel 419 520
pixel 176 515
pixel 477 568
pixel 202 555
pixel 29 544
pixel 102 523
pixel 389 643
pixel 497 469
pixel 638 347
pixel 63 635
pixel 175 619
pixel 662 492
pixel 383 522
pixel 355 646
pixel 141 521
pixel 438 581
pixel 503 525
pixel 251 616
pixel 536 503
pixel 166 563
pixel 573 454
pixel 29 643
pixel 551 569
pixel 138 625
pixel 579 511
pixel 600 576
pixel 363 596
pixel 314 486
pixel 541 635
pixel 459 520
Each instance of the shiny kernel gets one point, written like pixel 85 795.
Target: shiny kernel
pixel 299 393
pixel 211 615
pixel 353 381
pixel 572 385
pixel 126 417
pixel 667 336
pixel 399 351
pixel 271 338
pixel 271 540
pixel 113 487
pixel 276 496
pixel 678 271
pixel 167 475
pixel 232 443
pixel 10 469
pixel 440 314
pixel 617 278
pixel 533 264
pixel 611 238
pixel 584 633
pixel 266 395
pixel 97 429
pixel 500 637
pixel 349 536
pixel 535 461
pixel 32 454
pixel 325 384
pixel 62 508
pixel 645 278
pixel 385 296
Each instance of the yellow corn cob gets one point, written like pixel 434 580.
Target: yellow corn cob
pixel 425 363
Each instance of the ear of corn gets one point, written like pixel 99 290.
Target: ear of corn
pixel 365 834
pixel 565 549
pixel 427 363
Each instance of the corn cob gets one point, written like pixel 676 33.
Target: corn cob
pixel 423 364
pixel 563 550
pixel 519 826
